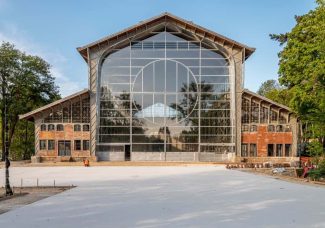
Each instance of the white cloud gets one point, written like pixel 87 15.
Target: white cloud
pixel 19 38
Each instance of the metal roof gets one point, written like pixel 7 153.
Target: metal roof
pixel 163 17
pixel 266 99
pixel 30 114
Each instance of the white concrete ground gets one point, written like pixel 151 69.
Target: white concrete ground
pixel 194 196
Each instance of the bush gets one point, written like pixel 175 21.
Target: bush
pixel 319 172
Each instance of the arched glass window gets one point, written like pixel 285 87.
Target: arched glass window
pixel 166 94
pixel 77 127
pixel 50 127
pixel 43 127
pixel 59 127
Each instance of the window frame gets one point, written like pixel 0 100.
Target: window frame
pixel 43 144
pixel 48 144
pixel 43 127
pixel 51 127
pixel 58 127
pixel 85 144
pixel 244 145
pixel 75 144
pixel 85 127
pixel 253 153
pixel 76 127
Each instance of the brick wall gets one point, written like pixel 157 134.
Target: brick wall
pixel 69 135
pixel 262 138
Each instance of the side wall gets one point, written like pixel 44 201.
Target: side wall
pixel 67 135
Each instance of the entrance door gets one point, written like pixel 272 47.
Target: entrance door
pixel 64 148
pixel 127 153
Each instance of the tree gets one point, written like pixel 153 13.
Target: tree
pixel 302 68
pixel 274 91
pixel 26 83
pixel 268 86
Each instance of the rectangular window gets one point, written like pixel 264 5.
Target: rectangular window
pixel 77 127
pixel 287 151
pixel 252 150
pixel 279 150
pixel 270 150
pixel 42 144
pixel 50 144
pixel 85 127
pixel 244 150
pixel 85 144
pixel 244 128
pixel 77 144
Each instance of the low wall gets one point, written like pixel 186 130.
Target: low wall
pixel 268 159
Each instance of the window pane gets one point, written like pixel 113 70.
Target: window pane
pixel 77 144
pixel 85 145
pixel 50 144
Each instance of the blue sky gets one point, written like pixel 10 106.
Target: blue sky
pixel 53 29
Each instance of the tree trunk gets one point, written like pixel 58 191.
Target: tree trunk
pixel 6 139
pixel 2 135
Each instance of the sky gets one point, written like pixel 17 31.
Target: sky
pixel 54 29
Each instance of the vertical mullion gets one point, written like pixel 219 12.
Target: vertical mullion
pixel 199 97
pixel 131 100
pixel 165 62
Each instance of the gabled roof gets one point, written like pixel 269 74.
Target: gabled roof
pixel 129 32
pixel 29 115
pixel 265 99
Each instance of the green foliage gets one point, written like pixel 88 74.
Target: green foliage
pixel 319 172
pixel 302 68
pixel 315 149
pixel 26 83
pixel 268 86
pixel 282 96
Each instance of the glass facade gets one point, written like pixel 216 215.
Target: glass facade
pixel 165 94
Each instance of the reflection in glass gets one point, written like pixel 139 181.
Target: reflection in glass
pixel 165 94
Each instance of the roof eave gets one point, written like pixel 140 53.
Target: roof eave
pixel 84 49
pixel 267 99
pixel 30 115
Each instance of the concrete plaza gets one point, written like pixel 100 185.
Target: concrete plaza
pixel 174 196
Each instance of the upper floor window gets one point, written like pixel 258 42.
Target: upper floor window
pixel 85 127
pixel 50 127
pixel 253 128
pixel 43 127
pixel 244 128
pixel 279 128
pixel 77 127
pixel 270 128
pixel 59 127
pixel 274 116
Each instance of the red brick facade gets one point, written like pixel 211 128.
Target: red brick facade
pixel 68 134
pixel 262 138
